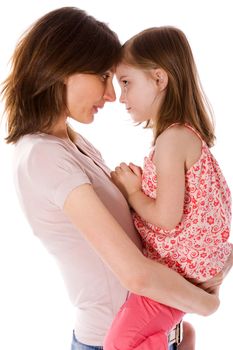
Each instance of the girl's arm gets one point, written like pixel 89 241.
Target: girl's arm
pixel 136 273
pixel 170 157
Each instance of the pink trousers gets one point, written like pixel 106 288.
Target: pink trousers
pixel 142 324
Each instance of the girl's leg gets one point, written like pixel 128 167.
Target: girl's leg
pixel 188 342
pixel 141 324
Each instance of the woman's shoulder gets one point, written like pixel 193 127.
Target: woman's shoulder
pixel 44 156
pixel 38 138
pixel 40 150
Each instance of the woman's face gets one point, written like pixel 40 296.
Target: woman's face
pixel 86 93
pixel 139 92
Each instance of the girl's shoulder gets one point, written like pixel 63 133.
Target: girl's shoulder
pixel 182 142
pixel 173 135
pixel 170 145
pixel 178 129
pixel 179 134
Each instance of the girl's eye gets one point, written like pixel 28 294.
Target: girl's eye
pixel 125 83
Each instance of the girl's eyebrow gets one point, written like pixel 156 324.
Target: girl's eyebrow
pixel 122 77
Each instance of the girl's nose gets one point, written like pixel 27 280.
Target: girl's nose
pixel 122 98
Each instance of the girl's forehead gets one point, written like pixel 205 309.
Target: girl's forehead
pixel 124 69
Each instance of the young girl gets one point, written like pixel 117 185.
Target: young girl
pixel 181 201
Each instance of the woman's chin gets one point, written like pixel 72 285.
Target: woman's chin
pixel 88 119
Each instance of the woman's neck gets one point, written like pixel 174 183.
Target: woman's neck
pixel 63 130
pixel 59 129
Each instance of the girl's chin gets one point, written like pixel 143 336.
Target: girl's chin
pixel 134 117
pixel 138 119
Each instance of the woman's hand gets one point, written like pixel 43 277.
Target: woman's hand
pixel 127 178
pixel 212 286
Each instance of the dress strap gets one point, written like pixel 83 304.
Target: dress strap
pixel 170 126
pixel 152 151
pixel 194 130
pixel 187 126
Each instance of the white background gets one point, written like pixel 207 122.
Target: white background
pixel 35 312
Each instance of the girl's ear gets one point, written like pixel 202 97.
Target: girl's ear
pixel 161 78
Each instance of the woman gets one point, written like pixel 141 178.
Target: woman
pixel 63 66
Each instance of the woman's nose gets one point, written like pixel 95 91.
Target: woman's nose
pixel 109 94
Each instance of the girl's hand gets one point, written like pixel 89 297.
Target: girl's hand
pixel 127 178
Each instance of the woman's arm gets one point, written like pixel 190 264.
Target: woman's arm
pixel 137 273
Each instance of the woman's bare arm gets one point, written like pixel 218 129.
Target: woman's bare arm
pixel 137 273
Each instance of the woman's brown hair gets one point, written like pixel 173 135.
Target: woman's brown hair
pixel 61 43
pixel 184 102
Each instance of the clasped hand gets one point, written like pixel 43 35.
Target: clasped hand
pixel 128 178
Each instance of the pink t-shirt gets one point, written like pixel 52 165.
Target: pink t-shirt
pixel 46 169
pixel 198 246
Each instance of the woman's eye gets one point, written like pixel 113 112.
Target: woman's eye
pixel 104 76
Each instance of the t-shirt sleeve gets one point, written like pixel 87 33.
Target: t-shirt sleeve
pixel 55 172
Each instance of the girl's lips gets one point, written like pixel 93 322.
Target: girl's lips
pixel 95 109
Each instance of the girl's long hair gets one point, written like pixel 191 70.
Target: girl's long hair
pixel 185 102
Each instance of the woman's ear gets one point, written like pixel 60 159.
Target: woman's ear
pixel 161 78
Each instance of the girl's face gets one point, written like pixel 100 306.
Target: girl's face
pixel 139 92
pixel 86 93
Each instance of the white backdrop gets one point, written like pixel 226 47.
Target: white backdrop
pixel 35 312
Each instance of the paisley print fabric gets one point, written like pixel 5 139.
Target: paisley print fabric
pixel 198 246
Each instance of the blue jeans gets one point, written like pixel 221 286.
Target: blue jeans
pixel 173 347
pixel 76 345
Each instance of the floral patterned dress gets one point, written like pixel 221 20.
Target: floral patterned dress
pixel 198 246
